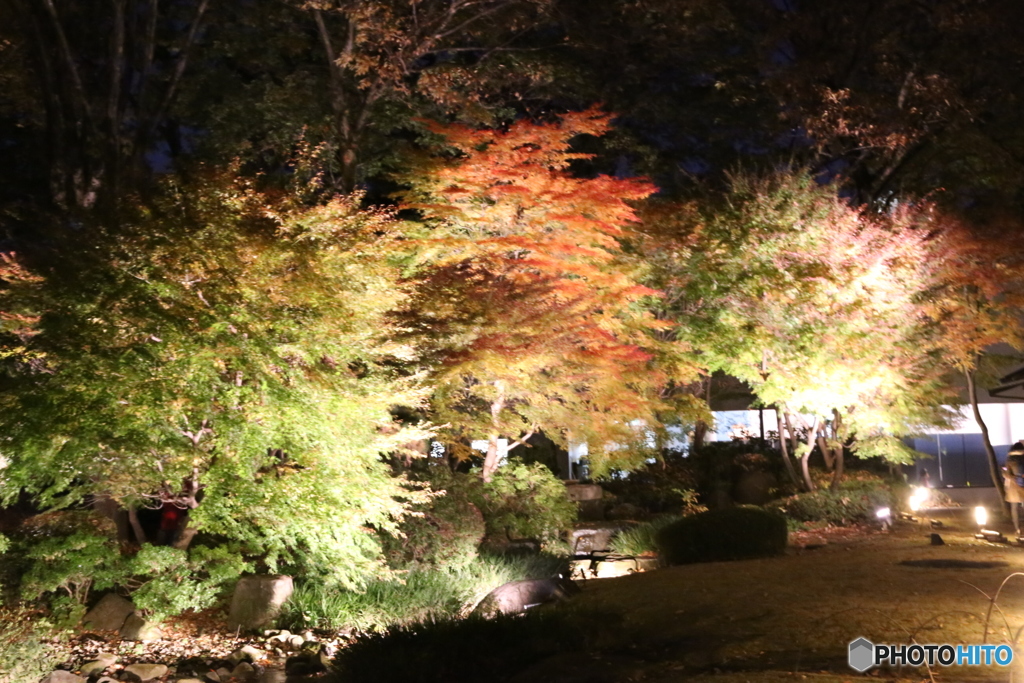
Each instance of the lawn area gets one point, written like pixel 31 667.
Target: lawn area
pixel 792 617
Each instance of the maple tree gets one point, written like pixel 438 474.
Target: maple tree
pixel 814 304
pixel 222 354
pixel 523 299
pixel 975 302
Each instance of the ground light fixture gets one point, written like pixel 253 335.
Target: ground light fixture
pixel 884 516
pixel 990 535
pixel 918 498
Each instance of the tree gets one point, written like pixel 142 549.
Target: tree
pixel 526 305
pixel 814 304
pixel 975 302
pixel 98 81
pixel 222 354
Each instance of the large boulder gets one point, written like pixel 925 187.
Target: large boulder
pixel 257 601
pixel 517 596
pixel 144 672
pixel 137 628
pixel 61 676
pixel 109 614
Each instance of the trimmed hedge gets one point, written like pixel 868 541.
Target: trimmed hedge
pixel 731 534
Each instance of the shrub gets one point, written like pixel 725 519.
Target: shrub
pixel 855 502
pixel 444 534
pixel 657 488
pixel 423 594
pixel 522 502
pixel 28 648
pixel 729 534
pixel 162 581
pixel 456 651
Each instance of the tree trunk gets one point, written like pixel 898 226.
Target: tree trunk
pixel 993 463
pixel 490 459
pixel 837 473
pixel 785 450
pixel 133 519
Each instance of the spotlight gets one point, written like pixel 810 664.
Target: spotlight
pixel 884 516
pixel 918 498
pixel 981 515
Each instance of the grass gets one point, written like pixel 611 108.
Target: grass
pixel 641 539
pixel 419 595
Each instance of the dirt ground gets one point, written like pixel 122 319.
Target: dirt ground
pixel 791 618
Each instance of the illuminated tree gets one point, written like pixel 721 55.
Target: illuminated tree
pixel 814 304
pixel 525 303
pixel 223 355
pixel 976 302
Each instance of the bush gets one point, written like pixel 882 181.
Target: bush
pixel 730 534
pixel 423 594
pixel 444 534
pixel 28 648
pixel 856 501
pixel 657 489
pixel 522 502
pixel 471 649
pixel 67 555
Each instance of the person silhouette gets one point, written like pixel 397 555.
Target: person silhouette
pixel 1013 482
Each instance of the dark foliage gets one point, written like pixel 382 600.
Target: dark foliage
pixel 732 534
pixel 469 650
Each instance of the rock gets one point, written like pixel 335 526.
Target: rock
pixel 296 642
pixel 145 672
pixel 272 676
pixel 257 601
pixel 137 628
pixel 61 676
pixel 189 680
pixel 309 636
pixel 244 671
pixel 305 664
pixel 592 539
pixel 578 492
pixel 517 596
pixel 195 666
pixel 246 653
pixel 212 676
pixel 107 679
pixel 101 663
pixel 109 613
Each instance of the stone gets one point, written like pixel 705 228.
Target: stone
pixel 107 679
pixel 591 539
pixel 578 492
pixel 212 676
pixel 246 653
pixel 257 601
pixel 305 664
pixel 244 671
pixel 109 614
pixel 296 642
pixel 517 596
pixel 137 628
pixel 103 661
pixel 273 676
pixel 189 680
pixel 61 676
pixel 145 672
